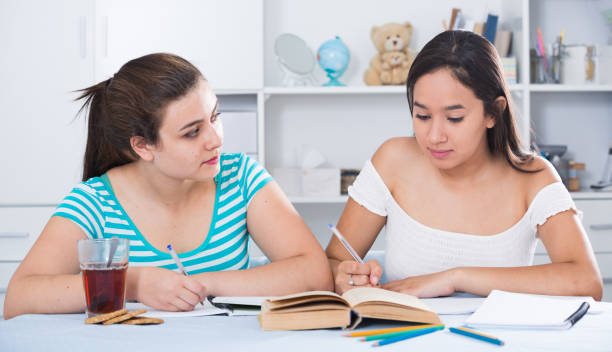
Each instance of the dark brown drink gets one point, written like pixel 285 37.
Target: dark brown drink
pixel 104 288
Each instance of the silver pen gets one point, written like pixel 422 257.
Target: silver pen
pixel 346 244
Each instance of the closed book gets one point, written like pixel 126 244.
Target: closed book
pixel 510 310
pixel 324 309
pixel 491 27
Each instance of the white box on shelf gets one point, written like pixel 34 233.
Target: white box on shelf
pixel 604 64
pixel 321 182
pixel 289 180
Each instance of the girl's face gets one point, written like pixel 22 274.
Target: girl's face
pixel 190 136
pixel 449 120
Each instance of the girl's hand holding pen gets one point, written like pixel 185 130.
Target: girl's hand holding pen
pixel 164 289
pixel 351 274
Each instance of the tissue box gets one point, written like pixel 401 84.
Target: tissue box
pixel 321 182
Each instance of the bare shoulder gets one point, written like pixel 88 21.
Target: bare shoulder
pixel 394 156
pixel 542 173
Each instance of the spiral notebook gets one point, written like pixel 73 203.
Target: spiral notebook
pixel 527 311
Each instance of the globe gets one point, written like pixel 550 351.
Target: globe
pixel 333 57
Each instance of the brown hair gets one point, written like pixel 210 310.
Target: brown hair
pixel 131 103
pixel 474 61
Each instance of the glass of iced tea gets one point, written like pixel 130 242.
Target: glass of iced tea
pixel 103 275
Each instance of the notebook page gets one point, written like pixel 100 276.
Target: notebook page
pixel 516 310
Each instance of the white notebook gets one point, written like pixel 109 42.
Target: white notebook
pixel 526 311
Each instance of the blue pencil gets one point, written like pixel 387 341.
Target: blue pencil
pixel 477 335
pixel 407 335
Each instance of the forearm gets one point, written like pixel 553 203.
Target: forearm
pixel 564 279
pixel 45 294
pixel 291 275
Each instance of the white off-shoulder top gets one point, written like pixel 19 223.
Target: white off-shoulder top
pixel 416 249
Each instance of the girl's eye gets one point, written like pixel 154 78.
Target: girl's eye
pixel 423 117
pixel 455 119
pixel 193 133
pixel 215 117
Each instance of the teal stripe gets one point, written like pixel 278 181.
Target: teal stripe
pixel 81 211
pixel 78 222
pixel 225 265
pixel 231 222
pixel 114 225
pixel 217 255
pixel 263 182
pixel 230 198
pixel 84 207
pixel 228 237
pixel 233 209
pixel 88 196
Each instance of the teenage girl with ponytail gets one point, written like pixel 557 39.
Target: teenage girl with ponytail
pixel 154 173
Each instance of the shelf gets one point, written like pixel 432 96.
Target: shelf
pixel 335 90
pixel 590 195
pixel 237 91
pixel 570 88
pixel 318 200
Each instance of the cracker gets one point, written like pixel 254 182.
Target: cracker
pixel 124 317
pixel 142 321
pixel 103 317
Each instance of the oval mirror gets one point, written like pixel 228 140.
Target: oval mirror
pixel 295 58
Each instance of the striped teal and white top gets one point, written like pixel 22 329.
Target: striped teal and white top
pixel 92 205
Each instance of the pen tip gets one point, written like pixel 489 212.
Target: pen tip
pixel 330 225
pixel 169 247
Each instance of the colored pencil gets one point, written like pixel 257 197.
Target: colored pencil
pixel 398 333
pixel 476 335
pixel 386 331
pixel 407 335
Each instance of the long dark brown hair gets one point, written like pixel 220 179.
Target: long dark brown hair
pixel 131 103
pixel 474 61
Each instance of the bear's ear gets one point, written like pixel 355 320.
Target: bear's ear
pixel 373 32
pixel 408 26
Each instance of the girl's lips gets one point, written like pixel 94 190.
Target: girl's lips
pixel 212 161
pixel 440 154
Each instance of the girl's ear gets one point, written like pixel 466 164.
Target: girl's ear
pixel 500 105
pixel 142 148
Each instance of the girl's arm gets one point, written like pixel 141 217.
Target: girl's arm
pixel 48 280
pixel 573 271
pixel 298 262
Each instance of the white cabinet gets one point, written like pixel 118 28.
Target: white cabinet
pixel 46 55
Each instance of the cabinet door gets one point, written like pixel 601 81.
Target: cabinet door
pixel 46 55
pixel 224 39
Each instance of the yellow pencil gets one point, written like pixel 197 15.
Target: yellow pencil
pixel 386 331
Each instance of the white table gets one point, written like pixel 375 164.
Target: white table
pixel 67 332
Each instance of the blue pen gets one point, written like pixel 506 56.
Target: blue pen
pixel 407 335
pixel 476 335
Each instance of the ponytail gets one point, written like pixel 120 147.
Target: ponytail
pixel 131 104
pixel 100 155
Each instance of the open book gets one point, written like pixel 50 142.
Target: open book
pixel 323 309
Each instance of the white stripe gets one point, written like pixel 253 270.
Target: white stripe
pixel 117 221
pixel 89 231
pixel 252 175
pixel 221 260
pixel 231 180
pixel 114 231
pixel 145 253
pixel 255 183
pixel 87 210
pixel 97 184
pixel 153 263
pixel 227 231
pixel 228 193
pixel 227 172
pixel 230 217
pixel 239 264
pixel 229 205
pixel 230 161
pixel 217 249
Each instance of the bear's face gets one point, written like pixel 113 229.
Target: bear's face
pixel 394 58
pixel 391 36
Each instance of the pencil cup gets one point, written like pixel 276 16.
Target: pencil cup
pixel 104 264
pixel 539 74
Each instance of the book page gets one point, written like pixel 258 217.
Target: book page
pixel 302 298
pixel 360 295
pixel 199 310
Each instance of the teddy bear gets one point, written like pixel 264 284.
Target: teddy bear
pixel 390 37
pixel 394 67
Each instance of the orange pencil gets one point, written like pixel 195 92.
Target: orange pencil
pixel 386 331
